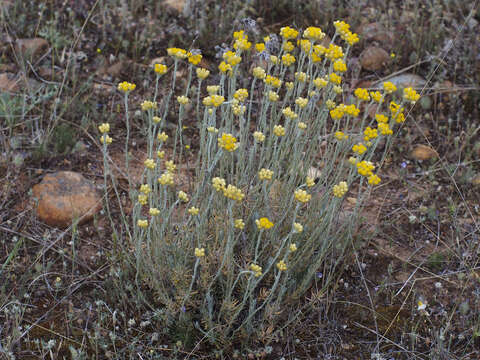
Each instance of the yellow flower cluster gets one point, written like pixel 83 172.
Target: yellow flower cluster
pixel 241 94
pixel 166 179
pixel 301 102
pixel 194 58
pixel 288 59
pixel 170 166
pixel 298 227
pixel 231 58
pixel 239 224
pixel 343 29
pixel 289 113
pixel 338 112
pixel 234 193
pixel 162 136
pixel 359 148
pixel 376 96
pixel 126 87
pixel 154 212
pixel 260 47
pixel 365 168
pixel 273 96
pixel 389 87
pixel 309 181
pixel 263 223
pixel 301 76
pixel 410 94
pixel 265 174
pixel 397 112
pixel 105 139
pixel 352 110
pixel 144 188
pixel 288 46
pixel 183 196
pixel 104 128
pixel 313 33
pixel 259 72
pixel 293 247
pixel 199 252
pixel 384 129
pixel 241 41
pixel 177 53
pixel 142 199
pixel 228 142
pixel 288 33
pixel 202 73
pixel 213 89
pixel 369 133
pixel 333 52
pixel 183 100
pixel 257 270
pixel 281 266
pixel 339 66
pixel 224 67
pixel 273 81
pixel 219 183
pixel 362 94
pixel 160 69
pixel 339 135
pixel 302 196
pixel 381 118
pixel 148 105
pixel 335 79
pixel 193 211
pixel 340 189
pixel 149 164
pixel 213 100
pixel 238 109
pixel 374 180
pixel 258 136
pixel 142 223
pixel 156 119
pixel 301 125
pixel 279 130
pixel 320 83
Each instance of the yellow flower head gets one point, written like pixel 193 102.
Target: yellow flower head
pixel 239 224
pixel 218 183
pixel 293 247
pixel 213 89
pixel 213 100
pixel 258 136
pixel 183 100
pixel 182 196
pixel 279 130
pixel 199 252
pixel 234 193
pixel 339 135
pixel 104 128
pixel 339 66
pixel 170 166
pixel 193 211
pixel 160 154
pixel 373 180
pixel 241 95
pixel 313 33
pixel 341 189
pixel 335 79
pixel 298 227
pixel 148 105
pixel 376 96
pixel 305 45
pixel 259 72
pixel 224 67
pixel 362 94
pixel 202 73
pixel 142 199
pixel 166 179
pixel 288 59
pixel 273 81
pixel 228 142
pixel 232 58
pixel 334 52
pixel 359 148
pixel 263 223
pixel 177 53
pixel 142 223
pixel 154 211
pixel 370 133
pixel 281 266
pixel 289 113
pixel 301 102
pixel 320 83
pixel 257 270
pixel 384 129
pixel 126 87
pixel 288 33
pixel 301 76
pixel 381 118
pixel 365 168
pixel 301 125
pixel 265 174
pixel 150 164
pixel 410 94
pixel 289 85
pixel 194 58
pixel 302 196
pixel 156 119
pixel 274 59
pixel 160 69
pixel 273 96
pixel 288 46
pixel 260 47
pixel 309 181
pixel 106 139
pixel 144 188
pixel 389 87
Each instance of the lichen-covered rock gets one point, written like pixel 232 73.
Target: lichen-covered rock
pixel 64 196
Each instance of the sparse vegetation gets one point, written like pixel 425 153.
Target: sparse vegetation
pixel 381 270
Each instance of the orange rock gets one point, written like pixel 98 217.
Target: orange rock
pixel 374 58
pixel 423 152
pixel 64 196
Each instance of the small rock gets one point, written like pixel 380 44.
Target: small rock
pixel 407 80
pixel 423 152
pixel 103 89
pixel 64 196
pixel 374 58
pixel 31 48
